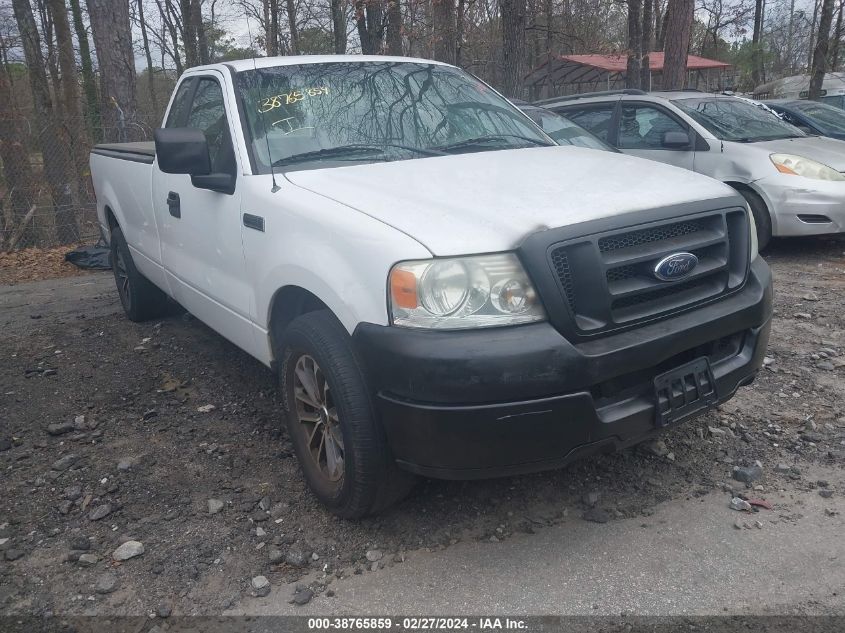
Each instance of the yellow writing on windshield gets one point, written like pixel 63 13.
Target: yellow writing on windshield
pixel 288 98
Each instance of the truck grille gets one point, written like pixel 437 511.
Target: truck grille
pixel 607 279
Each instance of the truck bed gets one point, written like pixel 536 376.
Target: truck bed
pixel 139 152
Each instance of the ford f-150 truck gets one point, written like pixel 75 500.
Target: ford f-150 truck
pixel 442 290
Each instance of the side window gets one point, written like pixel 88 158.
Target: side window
pixel 208 113
pixel 596 119
pixel 179 109
pixel 643 127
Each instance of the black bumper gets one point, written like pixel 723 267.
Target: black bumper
pixel 485 403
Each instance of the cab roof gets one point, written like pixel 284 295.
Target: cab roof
pixel 241 65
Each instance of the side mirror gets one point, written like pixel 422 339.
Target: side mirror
pixel 182 150
pixel 676 140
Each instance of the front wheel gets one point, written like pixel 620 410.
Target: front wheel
pixel 340 444
pixel 761 217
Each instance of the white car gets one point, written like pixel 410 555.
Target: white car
pixel 441 289
pixel 794 183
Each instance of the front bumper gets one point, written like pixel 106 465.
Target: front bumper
pixel 484 403
pixel 791 205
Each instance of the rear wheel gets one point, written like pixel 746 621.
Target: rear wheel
pixel 762 218
pixel 340 444
pixel 141 299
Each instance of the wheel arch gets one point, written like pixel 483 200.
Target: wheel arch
pixel 288 303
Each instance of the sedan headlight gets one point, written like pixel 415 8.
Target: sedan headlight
pixel 802 166
pixel 463 292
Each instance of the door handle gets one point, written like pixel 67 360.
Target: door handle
pixel 173 204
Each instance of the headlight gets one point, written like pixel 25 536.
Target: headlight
pixel 752 226
pixel 801 166
pixel 463 292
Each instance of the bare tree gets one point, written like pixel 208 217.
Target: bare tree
pixel 338 26
pixel 151 84
pixel 76 134
pixel 293 28
pixel 394 27
pixel 369 18
pixel 676 47
pixel 17 170
pixel 89 83
pixel 513 46
pixel 443 27
pixel 635 43
pixel 647 39
pixel 53 150
pixel 116 60
pixel 820 53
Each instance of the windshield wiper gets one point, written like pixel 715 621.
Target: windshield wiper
pixel 362 149
pixel 492 138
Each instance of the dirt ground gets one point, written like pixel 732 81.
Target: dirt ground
pixel 112 431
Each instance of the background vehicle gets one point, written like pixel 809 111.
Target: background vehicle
pixel 798 87
pixel 562 130
pixel 792 182
pixel 442 290
pixel 812 117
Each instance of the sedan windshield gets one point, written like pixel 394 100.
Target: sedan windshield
pixel 563 131
pixel 731 119
pixel 315 115
pixel 827 118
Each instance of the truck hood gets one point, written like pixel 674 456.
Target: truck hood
pixel 829 151
pixel 489 201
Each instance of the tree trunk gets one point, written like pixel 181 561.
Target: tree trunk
pixel 820 53
pixel 635 42
pixel 394 27
pixel 513 46
pixel 53 150
pixel 368 18
pixel 89 83
pixel 757 44
pixel 17 171
pixel 273 34
pixel 294 31
pixel 837 39
pixel 338 26
pixel 151 84
pixel 443 29
pixel 73 115
pixel 812 45
pixel 678 28
pixel 199 30
pixel 460 25
pixel 647 43
pixel 113 43
pixel 189 34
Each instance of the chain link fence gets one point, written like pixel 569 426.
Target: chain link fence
pixel 46 193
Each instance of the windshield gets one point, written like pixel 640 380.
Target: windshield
pixel 563 131
pixel 828 118
pixel 316 115
pixel 736 120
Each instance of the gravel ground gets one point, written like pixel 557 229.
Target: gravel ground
pixel 163 441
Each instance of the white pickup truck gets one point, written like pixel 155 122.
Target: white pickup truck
pixel 441 289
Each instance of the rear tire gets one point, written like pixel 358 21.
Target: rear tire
pixel 341 446
pixel 141 299
pixel 762 218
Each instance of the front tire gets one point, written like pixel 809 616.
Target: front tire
pixel 340 444
pixel 140 298
pixel 762 218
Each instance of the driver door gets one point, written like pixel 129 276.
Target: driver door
pixel 641 131
pixel 200 229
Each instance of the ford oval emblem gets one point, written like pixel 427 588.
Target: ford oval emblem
pixel 675 266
